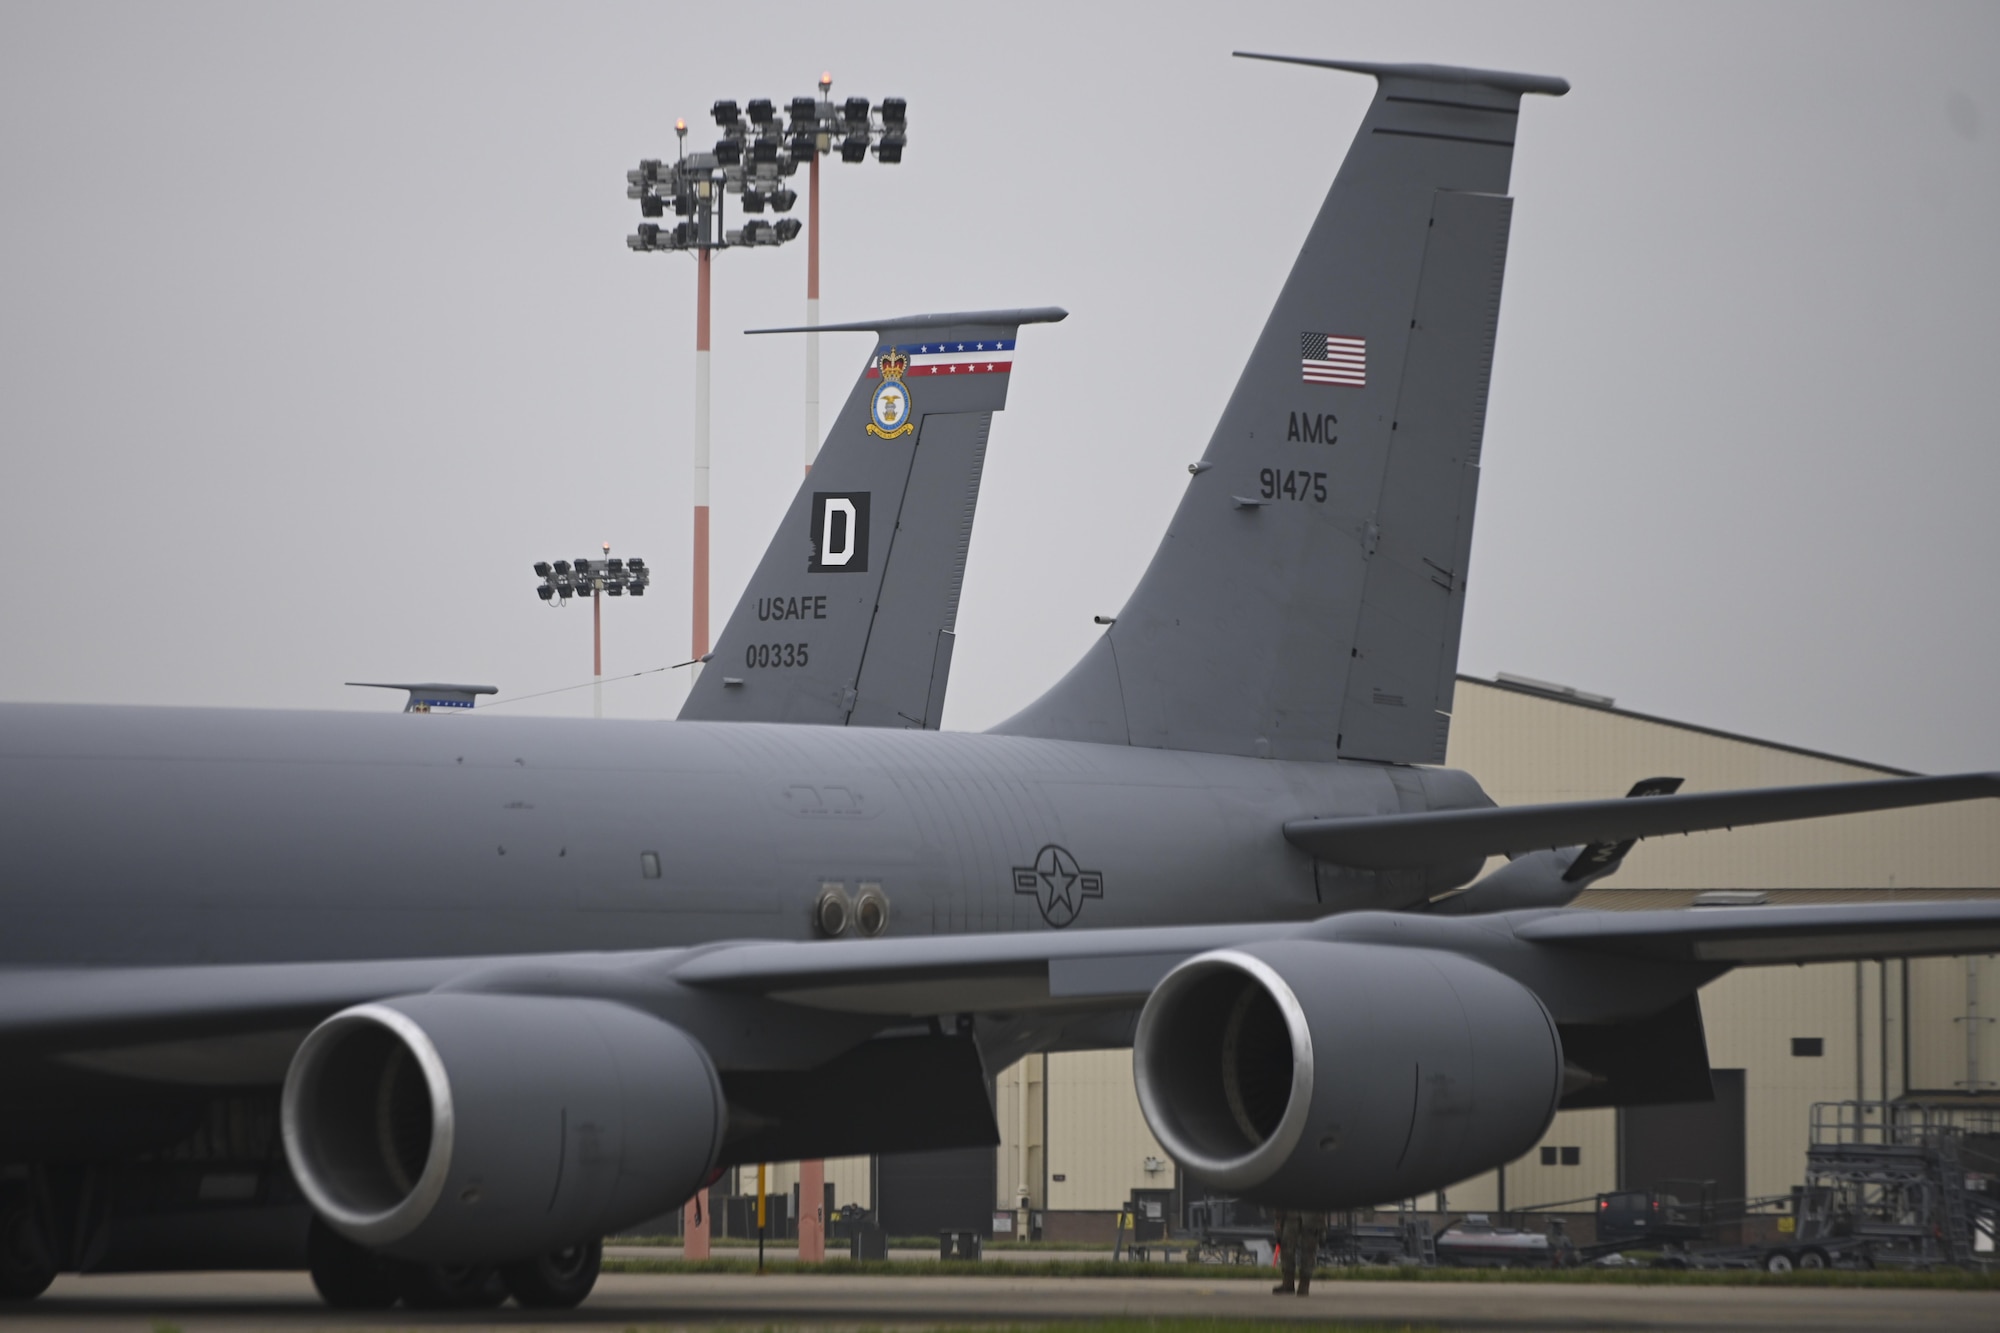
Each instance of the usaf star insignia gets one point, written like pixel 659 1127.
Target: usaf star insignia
pixel 1058 884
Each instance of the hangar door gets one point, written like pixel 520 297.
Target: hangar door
pixel 923 1193
pixel 1663 1147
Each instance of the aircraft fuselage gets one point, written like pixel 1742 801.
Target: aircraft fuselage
pixel 169 836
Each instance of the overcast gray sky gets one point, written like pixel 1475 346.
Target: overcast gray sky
pixel 317 328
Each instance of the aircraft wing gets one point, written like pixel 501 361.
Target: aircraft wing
pixel 926 975
pixel 71 1006
pixel 1760 935
pixel 931 975
pixel 68 1008
pixel 1385 842
pixel 239 1023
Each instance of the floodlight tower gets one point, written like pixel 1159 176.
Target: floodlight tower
pixel 817 128
pixel 753 159
pixel 749 160
pixel 596 579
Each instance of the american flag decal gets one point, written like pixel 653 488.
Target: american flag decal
pixel 1329 358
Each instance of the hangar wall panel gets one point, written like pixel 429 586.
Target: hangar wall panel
pixel 1098 1140
pixel 1019 1106
pixel 852 1179
pixel 1752 1017
pixel 1954 1038
pixel 1593 1137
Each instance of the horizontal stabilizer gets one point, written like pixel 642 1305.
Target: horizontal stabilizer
pixel 1040 314
pixel 1504 80
pixel 1385 842
pixel 427 695
pixel 1602 858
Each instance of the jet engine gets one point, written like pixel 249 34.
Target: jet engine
pixel 467 1128
pixel 1323 1075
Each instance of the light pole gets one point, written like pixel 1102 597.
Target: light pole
pixel 749 161
pixel 753 159
pixel 595 579
pixel 812 293
pixel 818 126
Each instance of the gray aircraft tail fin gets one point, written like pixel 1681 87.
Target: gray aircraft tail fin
pixel 1306 600
pixel 850 616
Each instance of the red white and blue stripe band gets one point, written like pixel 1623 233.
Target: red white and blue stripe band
pixel 990 356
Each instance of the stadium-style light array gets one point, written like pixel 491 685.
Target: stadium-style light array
pixel 606 576
pixel 610 575
pixel 759 151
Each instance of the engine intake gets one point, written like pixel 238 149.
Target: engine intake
pixel 468 1128
pixel 1323 1075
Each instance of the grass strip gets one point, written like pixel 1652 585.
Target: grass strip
pixel 1188 1326
pixel 1945 1279
pixel 1129 1325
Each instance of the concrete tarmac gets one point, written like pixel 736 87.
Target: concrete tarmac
pixel 205 1302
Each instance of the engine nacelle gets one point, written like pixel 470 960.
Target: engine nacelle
pixel 1323 1075
pixel 467 1128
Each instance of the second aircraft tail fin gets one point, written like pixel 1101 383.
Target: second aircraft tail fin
pixel 849 619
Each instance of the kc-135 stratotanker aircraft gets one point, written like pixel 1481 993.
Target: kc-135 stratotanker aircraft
pixel 413 1004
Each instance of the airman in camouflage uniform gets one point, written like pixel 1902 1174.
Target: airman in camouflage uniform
pixel 1298 1250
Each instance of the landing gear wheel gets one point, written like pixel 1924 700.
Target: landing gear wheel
pixel 1777 1261
pixel 450 1287
pixel 25 1267
pixel 347 1276
pixel 558 1280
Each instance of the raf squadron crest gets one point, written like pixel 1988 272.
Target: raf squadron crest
pixel 889 413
